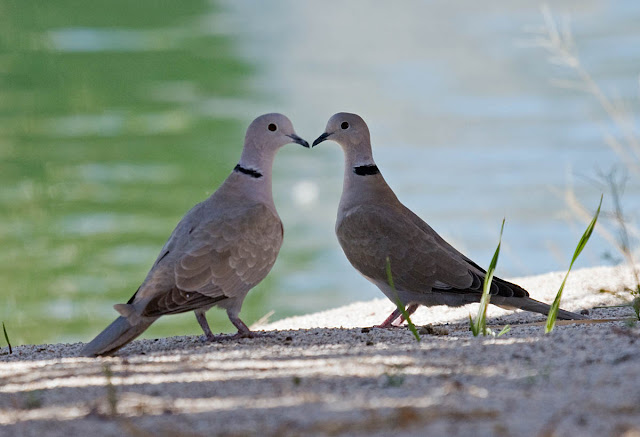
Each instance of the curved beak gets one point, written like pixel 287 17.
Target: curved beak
pixel 321 138
pixel 296 139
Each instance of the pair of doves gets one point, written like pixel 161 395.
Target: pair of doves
pixel 225 245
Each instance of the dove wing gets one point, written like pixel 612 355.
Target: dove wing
pixel 224 258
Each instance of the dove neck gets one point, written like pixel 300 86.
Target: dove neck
pixel 358 162
pixel 363 182
pixel 252 176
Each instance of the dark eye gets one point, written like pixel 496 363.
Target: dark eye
pixel 273 127
pixel 344 125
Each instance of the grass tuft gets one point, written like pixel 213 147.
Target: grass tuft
pixel 504 330
pixel 400 305
pixel 479 325
pixel 6 337
pixel 553 313
pixel 636 307
pixel 393 379
pixel 32 399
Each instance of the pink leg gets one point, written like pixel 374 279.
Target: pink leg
pixel 243 330
pixel 410 310
pixel 397 315
pixel 388 322
pixel 202 320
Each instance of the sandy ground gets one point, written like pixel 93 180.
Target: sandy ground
pixel 328 374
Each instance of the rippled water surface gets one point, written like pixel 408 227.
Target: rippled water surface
pixel 116 117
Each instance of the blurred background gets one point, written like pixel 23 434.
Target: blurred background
pixel 116 117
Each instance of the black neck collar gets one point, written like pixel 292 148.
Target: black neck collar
pixel 366 170
pixel 248 171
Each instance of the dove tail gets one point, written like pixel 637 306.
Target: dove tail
pixel 115 336
pixel 535 306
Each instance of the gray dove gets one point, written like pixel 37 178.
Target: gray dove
pixel 373 226
pixel 220 249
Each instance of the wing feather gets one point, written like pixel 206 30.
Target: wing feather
pixel 421 261
pixel 218 259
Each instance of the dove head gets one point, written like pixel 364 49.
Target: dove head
pixel 272 131
pixel 265 136
pixel 351 132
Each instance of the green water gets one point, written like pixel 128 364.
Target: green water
pixel 103 147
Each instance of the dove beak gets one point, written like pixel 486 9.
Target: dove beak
pixel 296 139
pixel 321 138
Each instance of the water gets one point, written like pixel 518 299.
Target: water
pixel 115 119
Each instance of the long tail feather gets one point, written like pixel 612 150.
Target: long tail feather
pixel 115 336
pixel 535 306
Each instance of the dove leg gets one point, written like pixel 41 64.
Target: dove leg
pixel 410 310
pixel 202 320
pixel 388 323
pixel 243 330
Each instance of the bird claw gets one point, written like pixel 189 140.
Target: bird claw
pixel 253 334
pixel 389 326
pixel 236 336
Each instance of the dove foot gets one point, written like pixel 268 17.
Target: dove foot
pixel 389 326
pixel 396 318
pixel 202 320
pixel 253 334
pixel 243 330
pixel 236 336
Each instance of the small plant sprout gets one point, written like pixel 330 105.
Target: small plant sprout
pixel 479 325
pixel 555 306
pixel 6 337
pixel 636 307
pixel 400 305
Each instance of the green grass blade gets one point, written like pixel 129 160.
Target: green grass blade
pixel 479 326
pixel 472 326
pixel 399 304
pixel 635 304
pixel 587 234
pixel 555 306
pixel 504 330
pixel 6 337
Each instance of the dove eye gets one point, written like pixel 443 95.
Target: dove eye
pixel 344 125
pixel 272 127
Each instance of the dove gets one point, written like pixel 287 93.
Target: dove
pixel 373 226
pixel 220 249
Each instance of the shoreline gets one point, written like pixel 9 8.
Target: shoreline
pixel 330 373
